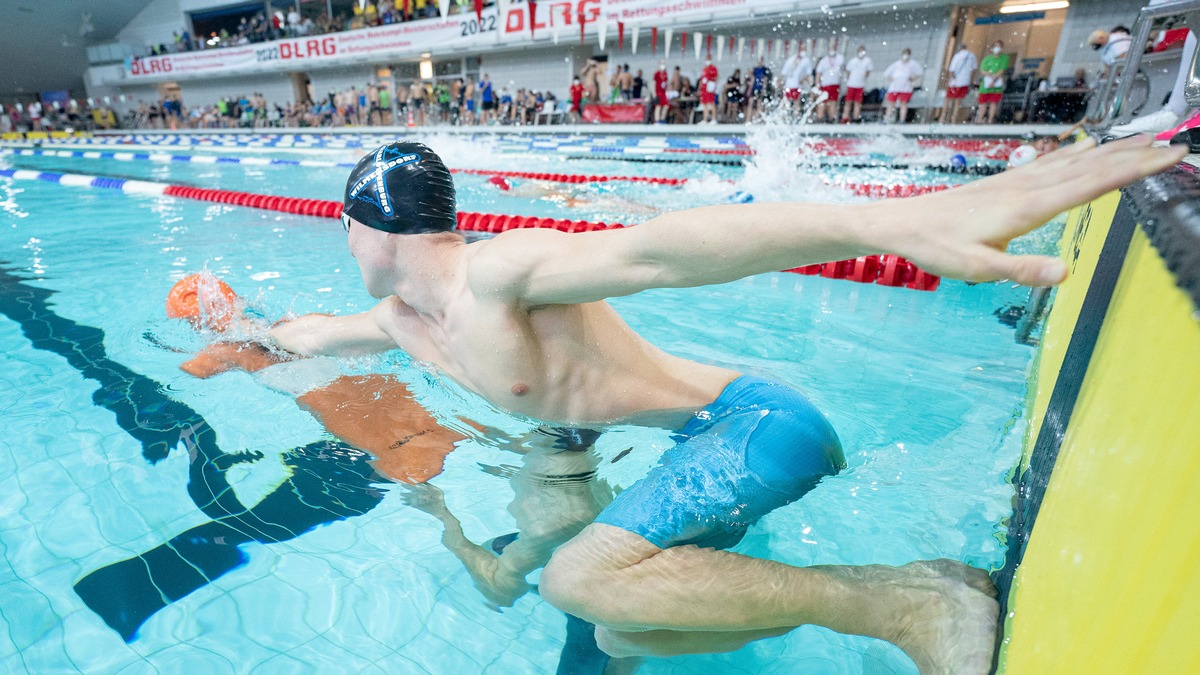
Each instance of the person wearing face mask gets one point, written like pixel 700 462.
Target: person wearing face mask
pixel 857 70
pixel 991 83
pixel 959 76
pixel 797 77
pixel 829 79
pixel 661 103
pixel 901 76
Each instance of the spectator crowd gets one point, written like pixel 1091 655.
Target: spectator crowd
pixel 828 87
pixel 288 22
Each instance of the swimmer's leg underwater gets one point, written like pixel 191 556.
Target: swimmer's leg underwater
pixel 765 446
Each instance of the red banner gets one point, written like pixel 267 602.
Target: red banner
pixel 615 114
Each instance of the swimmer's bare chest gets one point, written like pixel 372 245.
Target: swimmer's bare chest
pixel 579 364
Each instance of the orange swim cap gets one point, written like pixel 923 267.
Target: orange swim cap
pixel 204 300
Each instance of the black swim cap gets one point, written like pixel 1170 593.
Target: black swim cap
pixel 402 188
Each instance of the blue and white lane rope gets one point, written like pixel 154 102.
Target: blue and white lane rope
pixel 138 187
pixel 164 158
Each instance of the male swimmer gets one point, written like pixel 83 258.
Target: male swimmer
pixel 521 319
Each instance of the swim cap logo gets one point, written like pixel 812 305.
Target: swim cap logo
pixel 386 159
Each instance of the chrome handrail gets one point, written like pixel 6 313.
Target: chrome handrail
pixel 1133 60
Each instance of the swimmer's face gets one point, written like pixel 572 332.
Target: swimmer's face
pixel 371 250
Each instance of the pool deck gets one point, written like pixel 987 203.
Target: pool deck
pixel 722 130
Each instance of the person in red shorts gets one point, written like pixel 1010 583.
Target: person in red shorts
pixel 991 83
pixel 857 71
pixel 959 76
pixel 797 78
pixel 661 103
pixel 708 92
pixel 576 99
pixel 829 79
pixel 901 76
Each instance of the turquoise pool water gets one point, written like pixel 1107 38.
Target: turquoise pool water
pixel 340 574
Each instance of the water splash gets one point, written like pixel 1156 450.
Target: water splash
pixel 786 164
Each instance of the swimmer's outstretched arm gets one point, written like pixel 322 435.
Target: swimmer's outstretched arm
pixel 960 233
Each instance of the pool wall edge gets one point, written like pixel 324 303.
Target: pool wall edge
pixel 1104 567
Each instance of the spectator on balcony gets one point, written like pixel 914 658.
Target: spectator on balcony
pixel 293 22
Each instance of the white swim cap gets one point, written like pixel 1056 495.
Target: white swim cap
pixel 1022 155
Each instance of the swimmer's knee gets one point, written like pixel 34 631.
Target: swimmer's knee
pixel 584 578
pixel 561 582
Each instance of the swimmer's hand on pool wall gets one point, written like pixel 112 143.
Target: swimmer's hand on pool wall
pixel 963 233
pixel 960 233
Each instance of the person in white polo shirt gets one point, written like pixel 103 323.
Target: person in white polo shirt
pixel 797 78
pixel 829 79
pixel 901 77
pixel 958 81
pixel 857 71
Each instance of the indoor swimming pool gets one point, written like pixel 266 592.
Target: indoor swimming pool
pixel 155 521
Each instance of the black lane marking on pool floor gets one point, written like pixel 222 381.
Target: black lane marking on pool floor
pixel 1031 487
pixel 330 481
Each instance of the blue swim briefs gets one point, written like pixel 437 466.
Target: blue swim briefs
pixel 759 446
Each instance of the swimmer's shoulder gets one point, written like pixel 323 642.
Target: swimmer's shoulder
pixel 500 268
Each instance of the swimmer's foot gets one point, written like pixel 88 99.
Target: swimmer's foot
pixel 945 613
pixel 953 569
